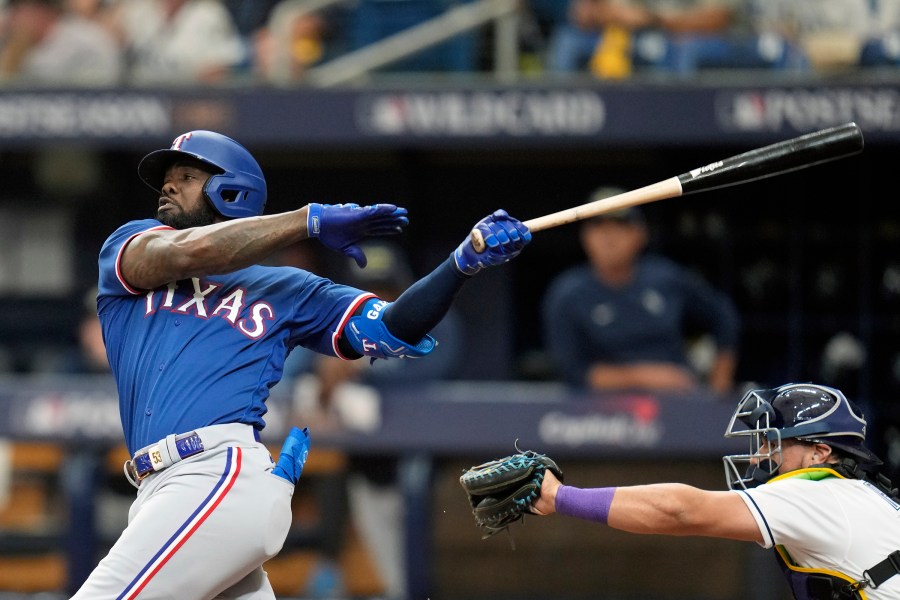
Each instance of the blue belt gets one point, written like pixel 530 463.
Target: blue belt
pixel 158 457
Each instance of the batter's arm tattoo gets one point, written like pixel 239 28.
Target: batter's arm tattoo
pixel 159 256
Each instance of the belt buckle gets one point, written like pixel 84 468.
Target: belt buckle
pixel 132 474
pixel 141 476
pixel 186 445
pixel 131 466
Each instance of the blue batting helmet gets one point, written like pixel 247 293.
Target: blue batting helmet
pixel 237 187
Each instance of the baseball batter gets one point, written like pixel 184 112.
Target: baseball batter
pixel 197 334
pixel 831 516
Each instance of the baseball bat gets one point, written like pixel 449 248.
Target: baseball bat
pixel 782 157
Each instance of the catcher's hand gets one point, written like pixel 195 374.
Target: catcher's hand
pixel 501 491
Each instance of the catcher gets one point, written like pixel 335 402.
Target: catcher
pixel 809 488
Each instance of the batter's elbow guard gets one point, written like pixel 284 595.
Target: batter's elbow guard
pixel 293 455
pixel 369 336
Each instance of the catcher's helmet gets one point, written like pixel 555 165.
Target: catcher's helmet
pixel 236 189
pixel 803 411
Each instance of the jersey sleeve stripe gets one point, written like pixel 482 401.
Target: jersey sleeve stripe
pixel 121 279
pixel 344 319
pixel 760 518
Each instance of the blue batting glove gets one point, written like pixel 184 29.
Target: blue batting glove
pixel 504 238
pixel 341 226
pixel 293 455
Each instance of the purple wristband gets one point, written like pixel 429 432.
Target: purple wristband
pixel 591 504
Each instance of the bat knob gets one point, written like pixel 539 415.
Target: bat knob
pixel 477 241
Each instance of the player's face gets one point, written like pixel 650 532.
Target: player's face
pixel 182 204
pixel 612 244
pixel 794 454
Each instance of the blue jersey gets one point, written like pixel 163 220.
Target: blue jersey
pixel 207 350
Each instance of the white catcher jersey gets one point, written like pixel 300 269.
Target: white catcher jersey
pixel 843 525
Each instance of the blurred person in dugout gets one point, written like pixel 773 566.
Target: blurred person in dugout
pixel 624 319
pixel 113 495
pixel 611 39
pixel 346 395
pixel 89 356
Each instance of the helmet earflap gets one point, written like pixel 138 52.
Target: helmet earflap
pixel 236 188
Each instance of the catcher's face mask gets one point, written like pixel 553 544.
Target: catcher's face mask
pixel 803 411
pixel 753 419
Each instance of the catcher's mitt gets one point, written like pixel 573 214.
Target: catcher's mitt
pixel 501 491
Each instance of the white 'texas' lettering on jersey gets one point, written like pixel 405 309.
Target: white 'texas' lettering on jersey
pixel 167 300
pixel 170 295
pixel 229 306
pixel 198 299
pixel 258 318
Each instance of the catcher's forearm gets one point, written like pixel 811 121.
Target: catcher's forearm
pixel 670 509
pixel 591 504
pixel 638 509
pixel 661 508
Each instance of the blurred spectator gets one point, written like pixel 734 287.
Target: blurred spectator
pixel 345 394
pixel 179 41
pixel 613 38
pixel 250 15
pixel 114 495
pixel 622 320
pixel 374 20
pixel 251 21
pixel 58 42
pixel 89 357
pixel 881 47
pixel 301 35
pixel 297 37
pixel 829 34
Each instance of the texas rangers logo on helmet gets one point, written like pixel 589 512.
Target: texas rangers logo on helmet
pixel 181 139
